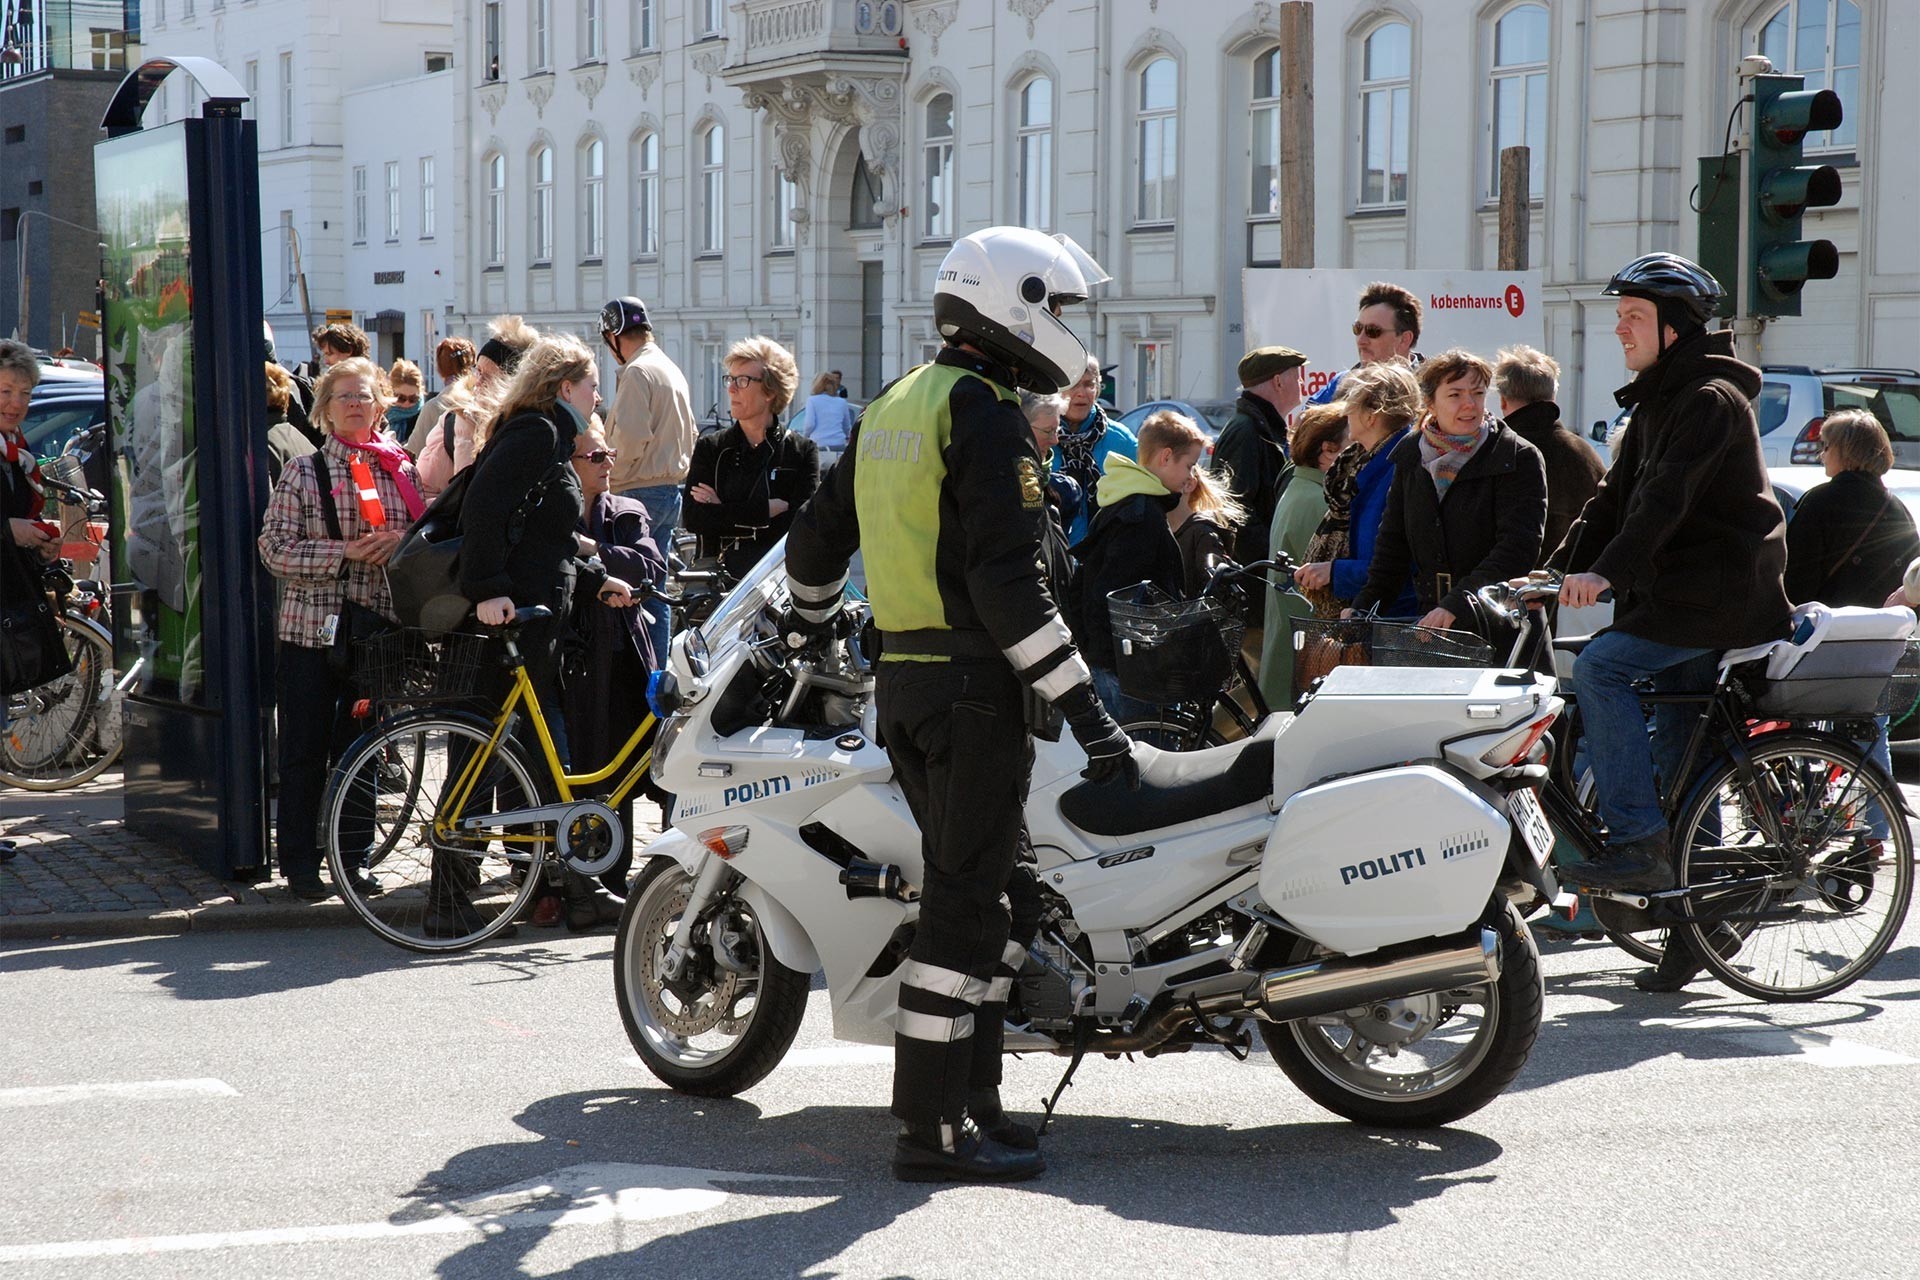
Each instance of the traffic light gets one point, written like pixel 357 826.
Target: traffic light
pixel 1780 189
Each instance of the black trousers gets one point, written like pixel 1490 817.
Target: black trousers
pixel 957 735
pixel 316 727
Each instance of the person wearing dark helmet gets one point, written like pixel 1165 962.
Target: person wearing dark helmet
pixel 1684 530
pixel 942 464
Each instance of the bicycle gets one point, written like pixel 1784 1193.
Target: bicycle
pixel 442 804
pixel 1793 854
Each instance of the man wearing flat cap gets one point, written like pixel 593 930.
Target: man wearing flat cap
pixel 1251 454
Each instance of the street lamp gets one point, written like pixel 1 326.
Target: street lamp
pixel 299 271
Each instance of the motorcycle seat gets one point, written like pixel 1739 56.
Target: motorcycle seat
pixel 1175 787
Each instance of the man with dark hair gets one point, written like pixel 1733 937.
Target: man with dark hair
pixel 1387 328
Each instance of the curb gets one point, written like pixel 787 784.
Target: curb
pixel 226 918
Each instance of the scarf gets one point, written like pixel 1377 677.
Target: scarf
pixel 400 421
pixel 1076 449
pixel 1333 540
pixel 392 459
pixel 20 454
pixel 1443 455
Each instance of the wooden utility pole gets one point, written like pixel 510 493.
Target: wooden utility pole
pixel 1516 212
pixel 1296 133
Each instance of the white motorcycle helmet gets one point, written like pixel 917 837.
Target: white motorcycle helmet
pixel 1002 289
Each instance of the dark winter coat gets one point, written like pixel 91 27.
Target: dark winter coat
pixel 1252 449
pixel 1685 526
pixel 1573 468
pixel 1829 560
pixel 739 528
pixel 1203 544
pixel 1127 543
pixel 606 695
pixel 1487 528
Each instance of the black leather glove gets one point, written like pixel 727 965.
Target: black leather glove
pixel 797 631
pixel 1109 749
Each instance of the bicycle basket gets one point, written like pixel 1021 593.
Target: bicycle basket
pixel 1903 691
pixel 1843 678
pixel 410 665
pixel 1170 650
pixel 1321 644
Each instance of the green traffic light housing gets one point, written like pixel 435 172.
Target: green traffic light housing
pixel 1780 189
pixel 1785 269
pixel 1790 116
pixel 1785 194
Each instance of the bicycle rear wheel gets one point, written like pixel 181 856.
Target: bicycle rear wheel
pixel 1174 729
pixel 1810 853
pixel 50 742
pixel 400 856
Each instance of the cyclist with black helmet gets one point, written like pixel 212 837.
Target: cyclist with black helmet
pixel 1685 532
pixel 943 476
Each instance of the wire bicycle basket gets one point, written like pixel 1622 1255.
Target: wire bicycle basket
pixel 1321 644
pixel 1169 650
pixel 410 666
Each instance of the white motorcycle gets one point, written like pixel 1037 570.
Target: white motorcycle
pixel 1349 879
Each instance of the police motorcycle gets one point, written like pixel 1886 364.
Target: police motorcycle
pixel 1350 880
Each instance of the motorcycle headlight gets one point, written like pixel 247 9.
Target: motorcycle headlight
pixel 670 730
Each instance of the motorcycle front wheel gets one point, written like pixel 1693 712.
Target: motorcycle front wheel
pixel 1427 1060
pixel 726 1022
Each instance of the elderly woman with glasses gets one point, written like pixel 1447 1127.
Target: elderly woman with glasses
pixel 745 481
pixel 326 541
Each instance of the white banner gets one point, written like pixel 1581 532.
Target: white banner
pixel 1312 312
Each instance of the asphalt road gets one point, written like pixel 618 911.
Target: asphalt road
pixel 293 1104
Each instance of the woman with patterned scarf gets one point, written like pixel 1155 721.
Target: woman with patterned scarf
pixel 1381 401
pixel 1468 502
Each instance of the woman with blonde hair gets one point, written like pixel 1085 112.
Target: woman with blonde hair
pixel 470 402
pixel 1381 402
pixel 829 419
pixel 745 481
pixel 408 388
pixel 1206 519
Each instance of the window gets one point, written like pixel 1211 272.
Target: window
pixel 936 194
pixel 393 201
pixel 786 197
pixel 1264 134
pixel 593 200
pixel 253 88
pixel 709 356
pixel 1034 155
pixel 1520 94
pixel 186 11
pixel 1152 363
pixel 1158 126
pixel 863 202
pixel 593 36
pixel 491 71
pixel 646 195
pixel 1386 94
pixel 712 149
pixel 286 99
pixel 426 197
pixel 541 17
pixel 359 204
pixel 1819 39
pixel 713 17
pixel 540 220
pixel 496 210
pixel 289 269
pixel 643 37
pixel 439 60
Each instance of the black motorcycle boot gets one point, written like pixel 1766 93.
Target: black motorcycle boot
pixel 1643 865
pixel 959 1153
pixel 1681 964
pixel 984 1109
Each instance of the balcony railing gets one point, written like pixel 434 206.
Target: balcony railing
pixel 85 35
pixel 776 30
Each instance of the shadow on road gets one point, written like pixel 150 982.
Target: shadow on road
pixel 1139 1170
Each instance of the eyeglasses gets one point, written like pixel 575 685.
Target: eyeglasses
pixel 741 381
pixel 353 397
pixel 597 456
pixel 1370 331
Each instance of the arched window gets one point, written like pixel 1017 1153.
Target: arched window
pixel 1264 133
pixel 937 169
pixel 1819 39
pixel 1157 142
pixel 863 201
pixel 1386 99
pixel 646 195
pixel 1520 94
pixel 496 209
pixel 1033 177
pixel 712 149
pixel 540 210
pixel 593 199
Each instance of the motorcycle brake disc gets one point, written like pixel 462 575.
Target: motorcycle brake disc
pixel 705 999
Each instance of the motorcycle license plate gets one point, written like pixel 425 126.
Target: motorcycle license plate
pixel 1524 808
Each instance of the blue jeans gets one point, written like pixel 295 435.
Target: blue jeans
pixel 1616 726
pixel 662 502
pixel 1879 751
pixel 1119 705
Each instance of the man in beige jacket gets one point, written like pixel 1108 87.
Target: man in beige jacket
pixel 651 429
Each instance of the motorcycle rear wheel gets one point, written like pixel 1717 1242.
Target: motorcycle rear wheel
pixel 1446 1061
pixel 716 1033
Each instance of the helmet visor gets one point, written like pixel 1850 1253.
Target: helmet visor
pixel 1090 271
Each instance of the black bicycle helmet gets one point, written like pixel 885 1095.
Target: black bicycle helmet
pixel 1682 290
pixel 623 315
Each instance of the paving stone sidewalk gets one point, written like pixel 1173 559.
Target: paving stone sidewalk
pixel 80 873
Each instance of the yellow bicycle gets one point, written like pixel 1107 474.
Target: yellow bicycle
pixel 437 827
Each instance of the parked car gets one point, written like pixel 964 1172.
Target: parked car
pixel 1211 416
pixel 1606 435
pixel 1794 400
pixel 65 401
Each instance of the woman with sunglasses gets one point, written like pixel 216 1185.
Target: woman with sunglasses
pixel 745 481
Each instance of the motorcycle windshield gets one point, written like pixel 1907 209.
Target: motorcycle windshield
pixel 766 581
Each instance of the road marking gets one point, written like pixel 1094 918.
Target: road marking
pixel 1813 1047
pixel 595 1194
pixel 53 1095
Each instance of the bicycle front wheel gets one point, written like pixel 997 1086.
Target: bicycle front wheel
pixel 1174 729
pixel 399 843
pixel 50 742
pixel 1809 854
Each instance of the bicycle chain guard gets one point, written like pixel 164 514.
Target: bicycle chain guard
pixel 588 837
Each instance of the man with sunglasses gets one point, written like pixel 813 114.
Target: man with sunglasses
pixel 1387 328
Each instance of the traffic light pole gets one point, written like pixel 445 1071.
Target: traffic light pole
pixel 1747 328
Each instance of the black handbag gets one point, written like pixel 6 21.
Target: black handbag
pixel 355 624
pixel 32 648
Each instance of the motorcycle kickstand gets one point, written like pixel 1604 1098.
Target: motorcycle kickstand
pixel 706 883
pixel 1082 1037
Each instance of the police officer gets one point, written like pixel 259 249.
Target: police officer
pixel 943 463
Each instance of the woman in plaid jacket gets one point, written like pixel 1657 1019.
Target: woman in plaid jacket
pixel 319 569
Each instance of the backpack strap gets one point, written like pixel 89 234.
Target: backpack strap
pixel 446 432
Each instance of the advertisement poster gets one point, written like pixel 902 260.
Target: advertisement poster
pixel 141 185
